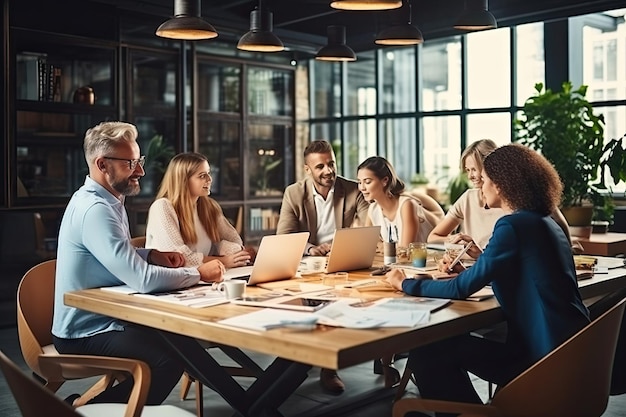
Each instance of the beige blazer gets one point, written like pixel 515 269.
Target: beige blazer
pixel 297 212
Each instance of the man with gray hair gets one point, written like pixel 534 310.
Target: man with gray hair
pixel 95 251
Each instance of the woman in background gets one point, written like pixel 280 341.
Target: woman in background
pixel 471 212
pixel 185 219
pixel 529 265
pixel 402 218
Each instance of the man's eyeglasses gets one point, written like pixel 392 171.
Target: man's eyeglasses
pixel 132 163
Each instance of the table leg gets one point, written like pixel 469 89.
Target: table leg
pixel 275 385
pixel 201 365
pixel 271 388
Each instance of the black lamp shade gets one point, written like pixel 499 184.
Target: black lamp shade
pixel 400 35
pixel 476 17
pixel 186 23
pixel 336 48
pixel 260 38
pixel 366 4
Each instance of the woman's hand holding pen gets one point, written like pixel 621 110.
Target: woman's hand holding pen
pixel 212 271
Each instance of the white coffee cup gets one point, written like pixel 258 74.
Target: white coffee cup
pixel 314 264
pixel 234 288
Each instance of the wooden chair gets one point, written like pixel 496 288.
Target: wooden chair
pixel 247 366
pixel 35 304
pixel 34 400
pixel 573 380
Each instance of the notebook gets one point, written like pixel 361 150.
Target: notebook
pixel 353 248
pixel 278 258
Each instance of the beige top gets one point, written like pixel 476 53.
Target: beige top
pixel 476 220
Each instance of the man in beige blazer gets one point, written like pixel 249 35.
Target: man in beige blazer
pixel 320 204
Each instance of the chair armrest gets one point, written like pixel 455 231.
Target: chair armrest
pixel 53 365
pixel 403 406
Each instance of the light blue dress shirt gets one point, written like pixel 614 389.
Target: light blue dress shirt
pixel 95 251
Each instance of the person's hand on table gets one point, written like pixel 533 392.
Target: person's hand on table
pixel 239 258
pixel 395 277
pixel 321 250
pixel 212 271
pixel 166 259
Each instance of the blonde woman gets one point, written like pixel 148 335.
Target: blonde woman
pixel 185 219
pixel 471 212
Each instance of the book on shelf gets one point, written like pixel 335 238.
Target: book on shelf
pixel 256 222
pixel 37 79
pixel 30 75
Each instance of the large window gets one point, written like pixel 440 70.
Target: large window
pixel 420 106
pixel 489 69
pixel 441 75
pixel 604 70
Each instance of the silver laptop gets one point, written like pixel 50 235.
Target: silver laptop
pixel 353 248
pixel 278 258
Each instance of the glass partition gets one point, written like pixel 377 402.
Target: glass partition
pixel 269 92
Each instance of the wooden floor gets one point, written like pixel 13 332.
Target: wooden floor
pixel 308 399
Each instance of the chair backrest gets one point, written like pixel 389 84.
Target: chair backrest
pixel 35 304
pixel 32 398
pixel 572 380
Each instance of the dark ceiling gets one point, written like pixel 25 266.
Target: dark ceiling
pixel 301 24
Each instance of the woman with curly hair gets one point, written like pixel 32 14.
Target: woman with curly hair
pixel 183 218
pixel 529 265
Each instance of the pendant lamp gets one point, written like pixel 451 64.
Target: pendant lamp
pixel 336 48
pixel 476 17
pixel 400 34
pixel 260 38
pixel 366 4
pixel 187 24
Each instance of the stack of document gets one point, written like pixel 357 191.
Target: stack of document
pixel 197 297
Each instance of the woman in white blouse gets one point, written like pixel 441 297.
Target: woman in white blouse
pixel 185 219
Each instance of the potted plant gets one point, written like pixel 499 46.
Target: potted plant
pixel 158 155
pixel 564 128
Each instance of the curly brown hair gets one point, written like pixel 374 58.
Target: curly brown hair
pixel 526 179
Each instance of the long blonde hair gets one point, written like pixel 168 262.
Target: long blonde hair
pixel 175 187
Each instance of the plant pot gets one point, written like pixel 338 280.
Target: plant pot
pixel 578 216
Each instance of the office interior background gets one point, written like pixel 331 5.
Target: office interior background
pixel 71 64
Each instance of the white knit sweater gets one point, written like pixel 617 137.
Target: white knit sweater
pixel 163 233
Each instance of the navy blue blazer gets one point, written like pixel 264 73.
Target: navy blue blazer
pixel 530 267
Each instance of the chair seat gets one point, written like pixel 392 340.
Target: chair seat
pixel 115 410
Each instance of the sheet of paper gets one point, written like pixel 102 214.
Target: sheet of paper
pixel 123 289
pixel 344 313
pixel 269 318
pixel 412 303
pixel 482 294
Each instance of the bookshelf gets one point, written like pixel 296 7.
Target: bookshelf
pixel 63 86
pixel 64 78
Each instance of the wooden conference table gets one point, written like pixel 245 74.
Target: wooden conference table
pixel 297 351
